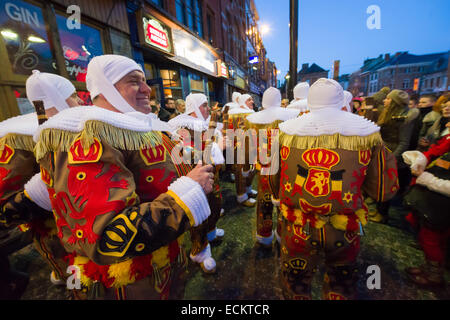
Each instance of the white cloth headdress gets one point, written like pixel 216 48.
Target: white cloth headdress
pixel 105 71
pixel 193 103
pixel 50 88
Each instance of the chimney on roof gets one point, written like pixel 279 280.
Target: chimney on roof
pixel 398 53
pixel 387 56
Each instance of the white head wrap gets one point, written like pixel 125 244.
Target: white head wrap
pixel 301 90
pixel 105 71
pixel 235 97
pixel 242 99
pixel 193 103
pixel 325 93
pixel 347 99
pixel 271 98
pixel 52 89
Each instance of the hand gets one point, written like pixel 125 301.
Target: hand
pixel 417 171
pixel 424 142
pixel 204 176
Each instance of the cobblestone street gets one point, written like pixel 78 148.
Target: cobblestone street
pixel 245 271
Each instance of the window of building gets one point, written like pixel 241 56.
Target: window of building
pixel 189 13
pixel 79 47
pixel 159 3
pixel 406 84
pixel 210 26
pixel 431 82
pixel 425 84
pixel 171 83
pixel 196 82
pixel 438 81
pixel 23 30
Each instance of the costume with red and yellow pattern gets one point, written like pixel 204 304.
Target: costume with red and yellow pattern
pixel 108 185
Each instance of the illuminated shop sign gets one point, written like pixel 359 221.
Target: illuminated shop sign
pixel 253 59
pixel 191 52
pixel 222 69
pixel 157 34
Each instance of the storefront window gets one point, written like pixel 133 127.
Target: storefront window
pixel 150 71
pixel 23 103
pixel 196 82
pixel 120 43
pixel 79 47
pixel 23 30
pixel 171 83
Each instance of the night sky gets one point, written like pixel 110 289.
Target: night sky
pixel 337 30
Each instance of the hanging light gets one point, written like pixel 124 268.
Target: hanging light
pixel 8 34
pixel 36 39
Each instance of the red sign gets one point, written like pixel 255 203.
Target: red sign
pixel 157 34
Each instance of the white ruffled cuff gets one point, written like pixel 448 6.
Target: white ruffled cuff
pixel 36 189
pixel 433 183
pixel 275 202
pixel 415 159
pixel 191 197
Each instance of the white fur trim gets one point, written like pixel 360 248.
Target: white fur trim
pixel 152 120
pixel 240 110
pixel 73 120
pixel 329 121
pixel 265 240
pixel 301 105
pixel 272 114
pixel 189 122
pixel 433 183
pixel 193 196
pixel 415 159
pixel 38 192
pixel 25 125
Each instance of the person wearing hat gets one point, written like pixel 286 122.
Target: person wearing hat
pixel 373 106
pixel 18 169
pixel 243 171
pixel 396 123
pixel 300 95
pixel 193 128
pixel 122 199
pixel 265 123
pixel 328 157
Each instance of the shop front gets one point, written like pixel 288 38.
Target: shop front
pixel 177 62
pixel 37 35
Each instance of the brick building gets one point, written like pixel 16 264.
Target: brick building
pixel 311 73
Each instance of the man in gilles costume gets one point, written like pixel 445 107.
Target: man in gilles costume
pixel 22 205
pixel 265 124
pixel 118 192
pixel 192 129
pixel 327 158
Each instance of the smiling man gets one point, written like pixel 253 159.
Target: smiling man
pixel 120 200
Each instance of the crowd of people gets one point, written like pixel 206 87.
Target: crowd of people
pixel 112 189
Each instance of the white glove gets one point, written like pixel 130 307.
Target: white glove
pixel 435 184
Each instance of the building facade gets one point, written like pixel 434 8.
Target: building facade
pixel 59 37
pixel 311 73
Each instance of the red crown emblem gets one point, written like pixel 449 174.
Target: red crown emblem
pixel 79 155
pixel 153 155
pixel 321 158
pixel 284 152
pixel 6 154
pixel 364 157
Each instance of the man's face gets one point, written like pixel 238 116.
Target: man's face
pixel 387 102
pixel 204 109
pixel 425 102
pixel 135 91
pixel 249 103
pixel 170 104
pixel 412 104
pixel 446 110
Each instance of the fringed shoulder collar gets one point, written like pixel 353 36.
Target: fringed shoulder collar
pixel 17 132
pixel 270 115
pixel 330 128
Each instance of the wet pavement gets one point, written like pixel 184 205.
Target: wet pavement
pixel 246 271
